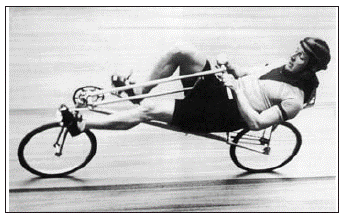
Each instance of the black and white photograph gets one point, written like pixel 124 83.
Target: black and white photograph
pixel 196 109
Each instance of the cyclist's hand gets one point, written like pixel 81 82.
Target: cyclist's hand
pixel 229 81
pixel 223 61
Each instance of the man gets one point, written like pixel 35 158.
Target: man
pixel 261 96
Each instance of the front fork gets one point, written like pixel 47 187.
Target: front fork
pixel 66 118
pixel 60 141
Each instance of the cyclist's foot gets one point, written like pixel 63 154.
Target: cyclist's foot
pixel 120 81
pixel 72 120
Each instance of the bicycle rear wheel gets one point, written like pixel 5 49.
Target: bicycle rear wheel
pixel 36 151
pixel 284 144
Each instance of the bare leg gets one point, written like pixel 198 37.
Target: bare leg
pixel 123 120
pixel 184 56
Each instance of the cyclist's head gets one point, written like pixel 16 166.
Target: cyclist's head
pixel 298 61
pixel 318 53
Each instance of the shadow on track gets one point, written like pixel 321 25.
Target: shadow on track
pixel 38 179
pixel 236 180
pixel 247 174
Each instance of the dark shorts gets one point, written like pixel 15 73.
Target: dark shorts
pixel 207 108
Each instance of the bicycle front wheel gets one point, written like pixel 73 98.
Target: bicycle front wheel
pixel 36 152
pixel 253 156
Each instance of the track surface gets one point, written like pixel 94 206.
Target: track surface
pixel 147 169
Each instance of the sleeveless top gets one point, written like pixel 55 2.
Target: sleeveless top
pixel 278 89
pixel 308 85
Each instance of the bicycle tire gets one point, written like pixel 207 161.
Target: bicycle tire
pixel 23 160
pixel 241 163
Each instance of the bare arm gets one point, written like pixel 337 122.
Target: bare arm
pixel 255 120
pixel 287 109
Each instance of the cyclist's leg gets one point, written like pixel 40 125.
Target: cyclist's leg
pixel 123 120
pixel 184 56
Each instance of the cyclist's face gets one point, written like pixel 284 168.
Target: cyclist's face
pixel 298 61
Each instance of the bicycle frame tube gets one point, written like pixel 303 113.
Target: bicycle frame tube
pixel 142 96
pixel 210 136
pixel 159 81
